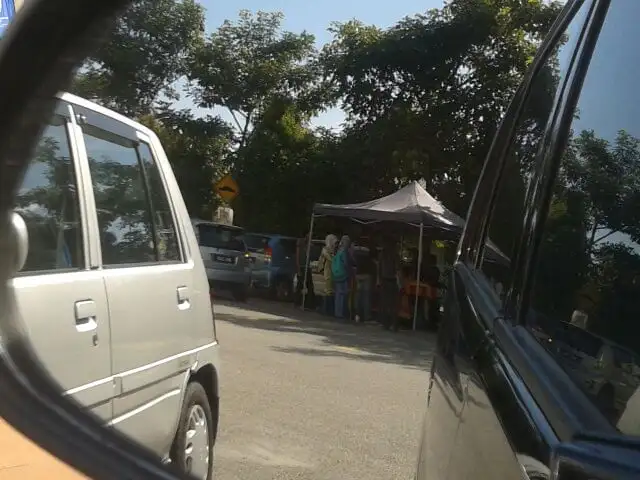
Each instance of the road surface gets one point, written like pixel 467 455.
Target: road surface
pixel 309 398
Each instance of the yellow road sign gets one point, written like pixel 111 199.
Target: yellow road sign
pixel 227 188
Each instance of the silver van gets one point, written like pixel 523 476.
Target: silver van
pixel 226 257
pixel 113 292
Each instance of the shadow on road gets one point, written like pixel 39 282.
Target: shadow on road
pixel 366 342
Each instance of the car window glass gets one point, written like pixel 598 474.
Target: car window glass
pixel 166 232
pixel 219 236
pixel 48 203
pixel 289 246
pixel 256 242
pixel 505 224
pixel 588 270
pixel 124 216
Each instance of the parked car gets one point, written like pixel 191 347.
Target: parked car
pixel 558 195
pixel 274 263
pixel 111 287
pixel 226 257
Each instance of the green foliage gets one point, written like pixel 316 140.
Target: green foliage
pixel 428 93
pixel 143 55
pixel 422 99
pixel 247 65
pixel 198 151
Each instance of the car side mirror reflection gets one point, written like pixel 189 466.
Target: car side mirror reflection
pixel 20 240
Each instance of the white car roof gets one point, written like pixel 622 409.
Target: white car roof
pixel 83 102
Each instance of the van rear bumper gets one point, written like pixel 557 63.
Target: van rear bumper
pixel 228 278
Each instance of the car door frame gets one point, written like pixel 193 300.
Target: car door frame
pixel 537 386
pixel 551 400
pixel 564 405
pixel 98 393
pixel 176 366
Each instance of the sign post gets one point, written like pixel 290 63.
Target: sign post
pixel 227 188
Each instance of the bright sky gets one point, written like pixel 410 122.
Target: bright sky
pixel 315 17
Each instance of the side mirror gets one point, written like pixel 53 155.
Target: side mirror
pixel 20 240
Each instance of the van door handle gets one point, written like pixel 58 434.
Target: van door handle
pixel 86 314
pixel 183 298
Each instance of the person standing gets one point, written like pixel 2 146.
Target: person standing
pixel 302 265
pixel 324 266
pixel 388 277
pixel 342 271
pixel 365 277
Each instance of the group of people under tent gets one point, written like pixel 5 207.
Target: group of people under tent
pixel 351 274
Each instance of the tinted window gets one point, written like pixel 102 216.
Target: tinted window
pixel 166 233
pixel 256 242
pixel 124 215
pixel 48 202
pixel 588 270
pixel 219 236
pixel 289 245
pixel 506 221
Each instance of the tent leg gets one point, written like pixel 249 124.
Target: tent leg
pixel 306 266
pixel 415 305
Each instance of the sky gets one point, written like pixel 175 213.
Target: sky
pixel 315 17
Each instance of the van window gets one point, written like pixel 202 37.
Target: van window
pixel 588 263
pixel 219 236
pixel 289 246
pixel 506 221
pixel 256 243
pixel 124 214
pixel 48 202
pixel 166 232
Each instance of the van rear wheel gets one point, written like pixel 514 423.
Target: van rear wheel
pixel 192 449
pixel 283 290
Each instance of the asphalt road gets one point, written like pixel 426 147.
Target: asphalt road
pixel 307 398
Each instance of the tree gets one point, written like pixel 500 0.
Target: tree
pixel 592 233
pixel 609 178
pixel 281 172
pixel 247 65
pixel 437 85
pixel 143 56
pixel 198 150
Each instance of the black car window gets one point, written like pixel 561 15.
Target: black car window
pixel 48 202
pixel 289 246
pixel 506 220
pixel 588 265
pixel 221 236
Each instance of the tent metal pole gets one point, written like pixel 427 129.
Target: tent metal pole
pixel 306 266
pixel 415 305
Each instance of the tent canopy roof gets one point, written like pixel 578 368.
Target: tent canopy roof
pixel 410 204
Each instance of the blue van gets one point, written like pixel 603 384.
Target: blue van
pixel 274 263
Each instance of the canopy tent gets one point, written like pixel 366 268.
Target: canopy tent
pixel 412 205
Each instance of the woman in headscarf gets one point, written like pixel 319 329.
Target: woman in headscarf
pixel 324 266
pixel 342 270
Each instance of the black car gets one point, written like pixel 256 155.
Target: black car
pixel 560 196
